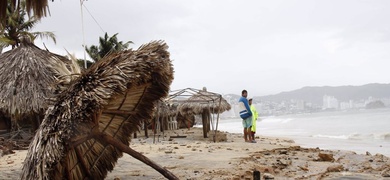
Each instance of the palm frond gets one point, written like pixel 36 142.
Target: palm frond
pixel 44 34
pixel 5 42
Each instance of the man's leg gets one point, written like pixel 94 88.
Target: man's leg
pixel 249 130
pixel 249 134
pixel 245 134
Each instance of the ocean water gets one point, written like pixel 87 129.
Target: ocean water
pixel 358 130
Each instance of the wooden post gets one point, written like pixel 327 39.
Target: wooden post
pixel 216 126
pixel 256 175
pixel 204 123
pixel 208 121
pixel 146 129
pixel 125 148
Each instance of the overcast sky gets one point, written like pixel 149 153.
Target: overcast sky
pixel 266 47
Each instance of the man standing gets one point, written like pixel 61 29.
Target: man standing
pixel 255 115
pixel 246 116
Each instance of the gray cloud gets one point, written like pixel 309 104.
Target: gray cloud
pixel 229 45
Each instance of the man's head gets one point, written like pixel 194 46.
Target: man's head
pixel 244 93
pixel 250 101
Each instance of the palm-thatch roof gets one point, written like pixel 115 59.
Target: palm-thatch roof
pixel 203 100
pixel 28 78
pixel 39 8
pixel 85 132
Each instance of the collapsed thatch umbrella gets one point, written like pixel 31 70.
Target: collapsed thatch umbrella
pixel 85 132
pixel 162 109
pixel 27 80
pixel 160 113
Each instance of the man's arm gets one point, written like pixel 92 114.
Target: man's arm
pixel 247 107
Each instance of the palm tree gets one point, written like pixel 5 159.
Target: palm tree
pixel 106 46
pixel 16 28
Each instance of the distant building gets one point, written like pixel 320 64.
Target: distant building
pixel 330 102
pixel 300 105
pixel 347 105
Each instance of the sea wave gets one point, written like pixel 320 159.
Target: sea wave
pixel 356 136
pixel 330 136
pixel 276 120
pixel 382 136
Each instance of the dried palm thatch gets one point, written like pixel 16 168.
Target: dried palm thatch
pixel 162 109
pixel 89 127
pixel 172 109
pixel 38 7
pixel 28 77
pixel 203 100
pixel 166 109
pixel 163 114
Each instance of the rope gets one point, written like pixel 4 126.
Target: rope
pixel 94 18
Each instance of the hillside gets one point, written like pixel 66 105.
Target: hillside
pixel 342 93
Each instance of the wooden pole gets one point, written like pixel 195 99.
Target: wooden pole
pixel 216 126
pixel 204 123
pixel 146 129
pixel 124 148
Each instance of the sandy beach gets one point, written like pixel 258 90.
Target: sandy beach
pixel 188 155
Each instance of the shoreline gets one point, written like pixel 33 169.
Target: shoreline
pixel 362 132
pixel 188 155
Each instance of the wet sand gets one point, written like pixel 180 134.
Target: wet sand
pixel 188 155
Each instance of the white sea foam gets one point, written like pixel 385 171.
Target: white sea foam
pixel 276 120
pixel 356 136
pixel 360 131
pixel 331 136
pixel 382 136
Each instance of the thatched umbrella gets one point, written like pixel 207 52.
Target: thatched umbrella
pixel 204 103
pixel 27 80
pixel 202 100
pixel 87 130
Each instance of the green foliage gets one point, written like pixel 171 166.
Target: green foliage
pixel 81 63
pixel 17 27
pixel 106 46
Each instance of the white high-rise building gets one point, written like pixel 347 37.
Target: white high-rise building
pixel 300 105
pixel 329 102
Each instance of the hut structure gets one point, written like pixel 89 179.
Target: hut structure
pixel 201 102
pixel 160 112
pixel 162 120
pixel 167 117
pixel 90 125
pixel 27 81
